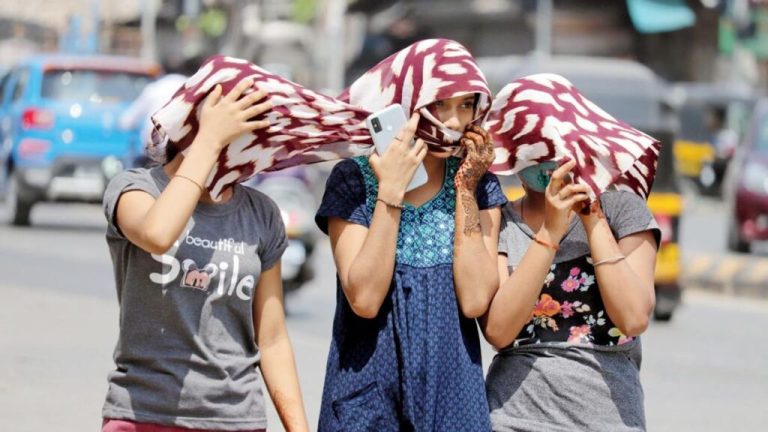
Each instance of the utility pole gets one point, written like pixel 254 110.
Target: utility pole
pixel 543 35
pixel 334 45
pixel 149 30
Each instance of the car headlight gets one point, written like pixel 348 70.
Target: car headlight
pixel 755 178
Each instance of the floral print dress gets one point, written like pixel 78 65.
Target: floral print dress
pixel 570 309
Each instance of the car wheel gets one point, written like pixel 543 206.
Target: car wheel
pixel 18 207
pixel 666 303
pixel 735 242
pixel 662 316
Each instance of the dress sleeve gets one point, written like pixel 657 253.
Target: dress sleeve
pixel 344 197
pixel 490 193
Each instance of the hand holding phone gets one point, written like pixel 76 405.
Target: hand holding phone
pixel 390 128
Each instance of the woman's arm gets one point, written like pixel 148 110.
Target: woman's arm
pixel 476 232
pixel 474 266
pixel 155 224
pixel 626 285
pixel 365 257
pixel 511 307
pixel 512 304
pixel 278 365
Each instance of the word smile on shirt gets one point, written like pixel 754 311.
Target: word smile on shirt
pixel 203 277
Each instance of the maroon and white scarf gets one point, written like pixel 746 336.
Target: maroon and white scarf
pixel 543 117
pixel 419 75
pixel 308 127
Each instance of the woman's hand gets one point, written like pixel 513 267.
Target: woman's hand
pixel 561 198
pixel 479 158
pixel 591 215
pixel 396 167
pixel 224 119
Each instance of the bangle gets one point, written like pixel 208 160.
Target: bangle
pixel 391 205
pixel 545 244
pixel 202 189
pixel 609 260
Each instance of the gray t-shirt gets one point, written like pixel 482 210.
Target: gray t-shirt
pixel 570 368
pixel 626 214
pixel 186 353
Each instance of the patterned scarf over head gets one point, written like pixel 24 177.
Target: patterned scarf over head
pixel 543 117
pixel 416 77
pixel 308 127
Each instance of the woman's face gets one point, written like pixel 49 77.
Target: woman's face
pixel 537 177
pixel 455 113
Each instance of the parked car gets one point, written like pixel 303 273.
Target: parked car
pixel 58 127
pixel 746 186
pixel 632 92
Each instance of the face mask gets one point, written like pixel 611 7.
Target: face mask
pixel 537 177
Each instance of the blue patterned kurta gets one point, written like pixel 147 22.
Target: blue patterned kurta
pixel 416 366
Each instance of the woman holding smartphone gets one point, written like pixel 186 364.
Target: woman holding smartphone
pixel 577 279
pixel 414 267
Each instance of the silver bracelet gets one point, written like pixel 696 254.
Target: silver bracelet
pixel 609 260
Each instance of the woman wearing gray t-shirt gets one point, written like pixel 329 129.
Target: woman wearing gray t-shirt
pixel 573 359
pixel 577 289
pixel 200 290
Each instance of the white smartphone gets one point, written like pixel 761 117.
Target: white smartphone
pixel 384 126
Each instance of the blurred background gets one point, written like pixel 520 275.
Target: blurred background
pixel 79 79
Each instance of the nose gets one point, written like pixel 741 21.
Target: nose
pixel 452 121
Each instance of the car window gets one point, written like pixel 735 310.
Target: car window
pixel 95 86
pixel 21 85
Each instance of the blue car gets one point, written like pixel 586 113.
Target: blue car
pixel 59 138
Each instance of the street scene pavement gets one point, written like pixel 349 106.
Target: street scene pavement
pixel 703 371
pixel 81 82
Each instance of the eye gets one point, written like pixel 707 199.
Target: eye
pixel 468 105
pixel 439 104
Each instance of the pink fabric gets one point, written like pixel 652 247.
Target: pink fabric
pixel 308 127
pixel 114 425
pixel 544 117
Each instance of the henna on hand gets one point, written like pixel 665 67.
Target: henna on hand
pixel 471 212
pixel 479 157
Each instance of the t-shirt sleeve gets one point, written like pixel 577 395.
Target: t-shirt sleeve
pixel 628 214
pixel 503 248
pixel 275 241
pixel 490 193
pixel 344 196
pixel 504 232
pixel 126 181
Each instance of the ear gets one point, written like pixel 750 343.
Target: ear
pixel 187 264
pixel 211 269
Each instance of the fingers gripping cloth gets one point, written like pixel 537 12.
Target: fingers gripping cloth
pixel 308 127
pixel 543 117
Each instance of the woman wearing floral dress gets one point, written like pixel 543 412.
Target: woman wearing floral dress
pixel 569 353
pixel 414 268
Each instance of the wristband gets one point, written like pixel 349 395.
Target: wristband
pixel 391 205
pixel 545 244
pixel 202 189
pixel 609 260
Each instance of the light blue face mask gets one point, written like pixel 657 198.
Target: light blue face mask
pixel 537 177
